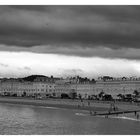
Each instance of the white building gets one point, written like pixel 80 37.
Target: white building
pixel 117 86
pixel 83 89
pixel 39 87
pixel 28 88
pixel 112 86
pixel 74 86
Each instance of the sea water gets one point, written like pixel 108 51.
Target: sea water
pixel 35 120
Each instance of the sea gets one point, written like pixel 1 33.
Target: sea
pixel 37 120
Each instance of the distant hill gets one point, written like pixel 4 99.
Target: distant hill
pixel 33 77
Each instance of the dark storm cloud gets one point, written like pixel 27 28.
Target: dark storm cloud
pixel 114 27
pixel 30 8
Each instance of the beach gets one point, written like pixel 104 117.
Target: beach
pixel 87 105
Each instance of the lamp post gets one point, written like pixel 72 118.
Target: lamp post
pixel 124 90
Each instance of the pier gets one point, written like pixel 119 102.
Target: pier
pixel 115 113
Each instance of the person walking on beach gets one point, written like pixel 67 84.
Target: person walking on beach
pixel 135 113
pixel 114 108
pixel 106 116
pixel 82 102
pixel 88 103
pixel 137 116
pixel 90 112
pixel 78 106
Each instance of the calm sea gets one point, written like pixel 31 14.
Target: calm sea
pixel 21 119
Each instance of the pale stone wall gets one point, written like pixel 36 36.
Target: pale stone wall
pixel 30 88
pixel 117 87
pixel 62 88
pixel 83 89
pixel 113 87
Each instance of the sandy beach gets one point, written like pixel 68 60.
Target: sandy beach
pixel 70 104
pixel 59 103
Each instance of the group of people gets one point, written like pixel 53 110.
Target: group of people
pixel 83 104
pixel 113 108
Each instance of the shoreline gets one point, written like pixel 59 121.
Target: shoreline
pixel 60 104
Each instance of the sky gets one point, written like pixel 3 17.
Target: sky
pixel 69 40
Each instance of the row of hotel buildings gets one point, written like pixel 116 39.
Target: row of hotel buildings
pixel 43 86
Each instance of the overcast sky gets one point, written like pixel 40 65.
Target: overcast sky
pixel 69 40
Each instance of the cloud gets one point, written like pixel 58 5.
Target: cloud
pixel 113 26
pixel 85 31
pixel 72 72
pixel 3 65
pixel 87 52
pixel 27 68
pixel 61 65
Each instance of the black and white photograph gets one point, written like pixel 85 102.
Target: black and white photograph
pixel 70 69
